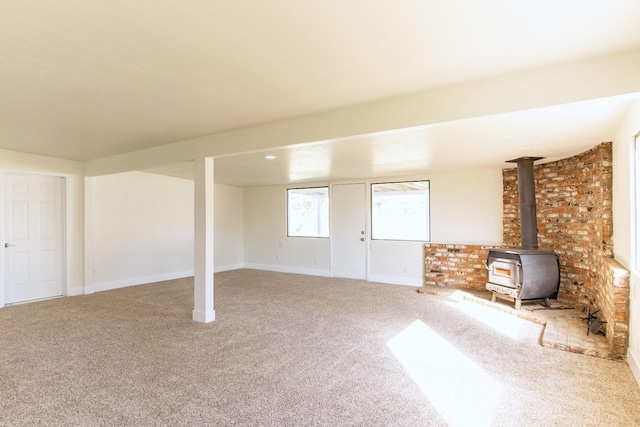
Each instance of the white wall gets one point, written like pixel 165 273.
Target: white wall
pixel 466 207
pixel 74 191
pixel 228 227
pixel 624 227
pixel 266 245
pixel 141 228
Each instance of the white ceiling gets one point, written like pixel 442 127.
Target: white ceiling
pixel 87 79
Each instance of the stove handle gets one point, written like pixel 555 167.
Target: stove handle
pixel 485 265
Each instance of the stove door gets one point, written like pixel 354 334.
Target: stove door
pixel 506 272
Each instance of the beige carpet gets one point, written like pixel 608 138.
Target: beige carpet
pixel 292 350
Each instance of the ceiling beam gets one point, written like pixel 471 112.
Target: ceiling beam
pixel 602 77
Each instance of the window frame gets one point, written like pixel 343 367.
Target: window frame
pixel 328 212
pixel 635 183
pixel 428 211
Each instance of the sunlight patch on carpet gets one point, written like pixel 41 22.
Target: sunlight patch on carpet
pixel 507 324
pixel 458 388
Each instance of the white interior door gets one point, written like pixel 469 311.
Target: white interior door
pixel 32 225
pixel 348 231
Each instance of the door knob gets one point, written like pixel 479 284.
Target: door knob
pixel 6 245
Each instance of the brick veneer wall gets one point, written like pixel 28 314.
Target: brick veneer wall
pixel 612 299
pixel 455 266
pixel 573 202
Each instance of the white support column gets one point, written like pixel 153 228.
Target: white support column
pixel 203 256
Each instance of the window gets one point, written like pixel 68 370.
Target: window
pixel 308 212
pixel 400 211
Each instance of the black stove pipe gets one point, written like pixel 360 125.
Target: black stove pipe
pixel 527 195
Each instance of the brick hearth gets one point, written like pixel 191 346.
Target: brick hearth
pixel 564 328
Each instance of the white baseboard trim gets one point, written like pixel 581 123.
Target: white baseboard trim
pixel 133 281
pixel 228 267
pixel 289 269
pixel 634 364
pixel 392 280
pixel 74 291
pixel 396 280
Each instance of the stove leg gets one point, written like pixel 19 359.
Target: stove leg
pixel 493 297
pixel 518 302
pixel 547 303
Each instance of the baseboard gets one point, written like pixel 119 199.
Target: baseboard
pixel 289 269
pixel 133 281
pixel 396 280
pixel 228 267
pixel 116 284
pixel 392 280
pixel 634 364
pixel 75 291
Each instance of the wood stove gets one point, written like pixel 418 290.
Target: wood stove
pixel 526 273
pixel 522 275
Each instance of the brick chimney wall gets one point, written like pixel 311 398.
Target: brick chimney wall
pixel 573 203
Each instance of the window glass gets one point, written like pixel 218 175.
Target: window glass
pixel 308 212
pixel 400 211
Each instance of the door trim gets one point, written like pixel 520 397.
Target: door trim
pixel 66 227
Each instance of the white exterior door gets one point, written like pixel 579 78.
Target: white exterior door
pixel 32 230
pixel 348 231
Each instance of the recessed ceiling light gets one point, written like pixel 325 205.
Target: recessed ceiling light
pixel 270 157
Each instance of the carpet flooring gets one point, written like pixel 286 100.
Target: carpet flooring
pixel 293 350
